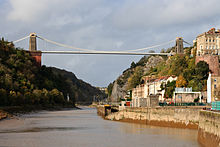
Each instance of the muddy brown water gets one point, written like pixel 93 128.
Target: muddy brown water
pixel 83 128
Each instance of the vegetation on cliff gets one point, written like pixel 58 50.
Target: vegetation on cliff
pixel 181 65
pixel 23 82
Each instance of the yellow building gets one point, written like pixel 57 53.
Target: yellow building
pixel 213 88
pixel 208 42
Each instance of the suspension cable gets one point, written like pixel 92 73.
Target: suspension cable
pixel 21 39
pixel 64 45
pixel 72 47
pixel 141 49
pixel 187 42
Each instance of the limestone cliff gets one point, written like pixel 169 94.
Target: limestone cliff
pixel 120 85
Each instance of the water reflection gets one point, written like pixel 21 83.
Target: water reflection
pixel 175 133
pixel 46 129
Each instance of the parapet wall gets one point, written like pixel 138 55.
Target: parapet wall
pixel 101 110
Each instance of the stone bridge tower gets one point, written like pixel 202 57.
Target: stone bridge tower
pixel 33 48
pixel 179 45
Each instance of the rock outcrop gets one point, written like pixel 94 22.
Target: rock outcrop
pixel 120 85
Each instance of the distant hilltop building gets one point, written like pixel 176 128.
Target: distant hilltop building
pixel 208 43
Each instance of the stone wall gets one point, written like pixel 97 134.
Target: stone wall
pixel 180 117
pixel 209 128
pixel 213 62
pixel 207 122
pixel 186 97
pixel 101 110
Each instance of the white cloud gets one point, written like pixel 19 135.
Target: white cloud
pixel 27 10
pixel 105 25
pixel 151 13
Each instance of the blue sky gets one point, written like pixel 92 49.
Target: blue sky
pixel 105 25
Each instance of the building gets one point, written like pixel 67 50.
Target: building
pixel 143 95
pixel 213 88
pixel 186 95
pixel 139 96
pixel 208 43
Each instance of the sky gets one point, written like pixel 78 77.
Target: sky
pixel 104 25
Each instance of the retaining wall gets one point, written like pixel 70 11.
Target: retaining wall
pixel 209 128
pixel 162 116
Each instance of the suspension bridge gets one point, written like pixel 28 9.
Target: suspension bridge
pixel 140 51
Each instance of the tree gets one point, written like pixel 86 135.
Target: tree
pixel 202 70
pixel 133 65
pixel 151 51
pixel 56 96
pixel 3 97
pixel 109 89
pixel 163 51
pixel 135 78
pixel 169 89
pixel 181 82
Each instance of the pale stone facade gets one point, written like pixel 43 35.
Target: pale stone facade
pixel 213 88
pixel 208 42
pixel 151 86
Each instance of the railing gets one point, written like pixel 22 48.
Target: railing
pixel 216 105
pixel 182 104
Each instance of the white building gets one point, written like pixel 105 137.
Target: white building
pixel 150 86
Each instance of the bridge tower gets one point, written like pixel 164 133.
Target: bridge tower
pixel 33 48
pixel 33 42
pixel 179 45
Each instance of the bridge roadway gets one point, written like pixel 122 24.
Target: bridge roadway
pixel 105 53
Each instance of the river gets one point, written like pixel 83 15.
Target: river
pixel 83 128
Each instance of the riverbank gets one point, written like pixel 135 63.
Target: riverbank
pixel 206 122
pixel 10 111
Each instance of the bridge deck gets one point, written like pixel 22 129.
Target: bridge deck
pixel 104 53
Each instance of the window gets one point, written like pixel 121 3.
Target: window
pixel 200 46
pixel 216 47
pixel 213 47
pixel 215 86
pixel 215 80
pixel 209 40
pixel 213 40
pixel 210 47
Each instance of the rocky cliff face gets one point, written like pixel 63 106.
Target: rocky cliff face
pixel 120 85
